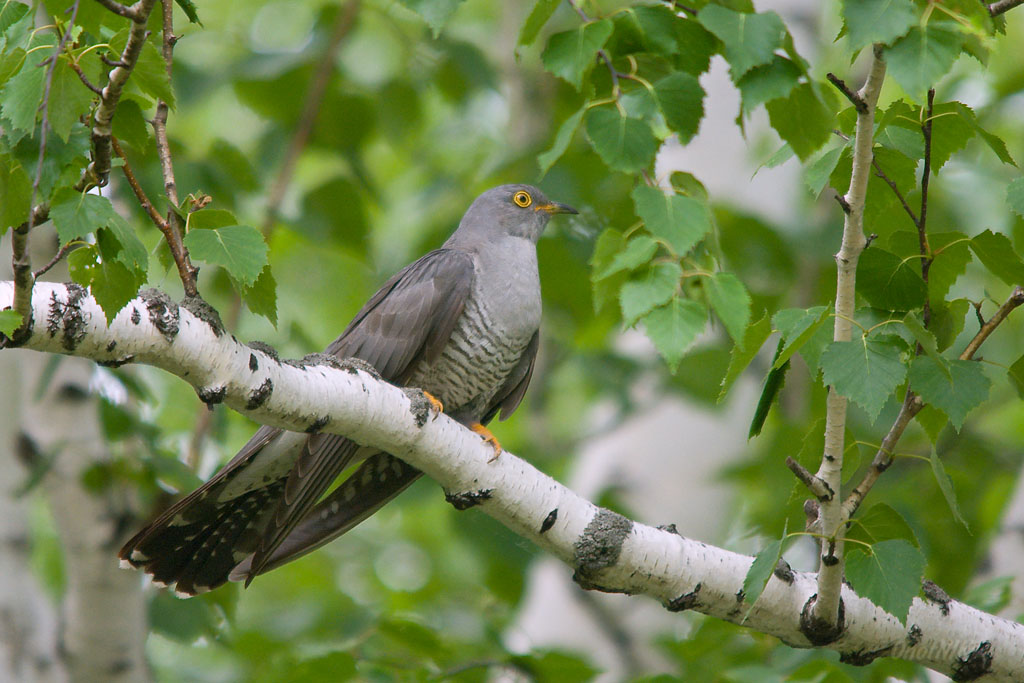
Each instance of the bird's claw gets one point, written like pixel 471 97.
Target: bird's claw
pixel 490 438
pixel 435 404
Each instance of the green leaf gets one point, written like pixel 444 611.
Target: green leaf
pixel 562 139
pixel 923 56
pixel 797 327
pixel 948 321
pixel 624 144
pixel 570 54
pixel 19 101
pixel 768 82
pixel 539 15
pixel 816 174
pixel 946 486
pixel 932 421
pixel 996 252
pixel 681 222
pixel 741 354
pixel 608 246
pixel 926 339
pixel 889 282
pixel 762 567
pixel 994 142
pixel 239 249
pixel 877 21
pixel 681 100
pixel 696 46
pixel 133 251
pixel 950 131
pixel 15 193
pixel 1017 376
pixel 750 39
pixel 1015 196
pixel 773 384
pixel 130 125
pixel 552 667
pixel 955 390
pixel 655 287
pixel 802 120
pixel 637 252
pixel 881 523
pixel 75 214
pixel 731 302
pixel 150 75
pixel 69 100
pixel 866 371
pixel 261 298
pixel 435 12
pixel 9 322
pixel 189 8
pixel 674 327
pixel 888 574
pixel 109 281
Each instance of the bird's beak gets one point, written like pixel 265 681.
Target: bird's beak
pixel 556 207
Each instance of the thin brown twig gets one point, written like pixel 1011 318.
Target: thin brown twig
pixel 61 253
pixel 896 190
pixel 602 54
pixel 817 486
pixel 997 8
pixel 912 405
pixel 922 224
pixel 85 79
pixel 140 194
pixel 856 100
pixel 311 108
pixel 186 271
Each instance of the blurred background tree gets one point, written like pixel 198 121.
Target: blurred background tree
pixel 353 136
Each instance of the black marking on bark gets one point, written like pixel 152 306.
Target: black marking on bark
pixel 314 359
pixel 163 313
pixel 254 364
pixel 783 572
pixel 317 424
pixel 136 316
pixel 671 528
pixel 66 316
pixel 933 593
pixel 211 396
pixel 354 365
pixel 468 499
pixel 116 362
pixel 685 601
pixel 260 394
pixel 111 346
pixel 205 312
pixel 549 521
pixel 599 547
pixel 914 635
pixel 419 405
pixel 974 665
pixel 863 657
pixel 740 595
pixel 72 393
pixel 265 348
pixel 819 631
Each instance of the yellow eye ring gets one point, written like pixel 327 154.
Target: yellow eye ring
pixel 522 199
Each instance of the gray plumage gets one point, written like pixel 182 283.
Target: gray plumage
pixel 461 323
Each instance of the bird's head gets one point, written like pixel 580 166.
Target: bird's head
pixel 517 210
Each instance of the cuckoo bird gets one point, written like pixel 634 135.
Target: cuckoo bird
pixel 461 323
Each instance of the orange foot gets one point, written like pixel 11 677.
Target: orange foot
pixel 437 406
pixel 488 437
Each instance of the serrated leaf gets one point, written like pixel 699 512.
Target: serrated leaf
pixel 624 144
pixel 741 355
pixel 681 222
pixel 877 21
pixel 133 251
pixel 996 252
pixel 656 26
pixel 761 569
pixel 797 327
pixel 539 15
pixel 731 302
pixel 950 131
pixel 802 120
pixel 866 371
pixel 109 281
pixel 130 126
pixel 150 75
pixel 932 421
pixel 674 327
pixel 768 82
pixel 189 8
pixel 1016 375
pixel 570 54
pixel 608 245
pixel 239 249
pixel 881 523
pixel 696 46
pixel 681 100
pixel 637 252
pixel 926 339
pixel 261 298
pixel 76 214
pixel 948 321
pixel 773 384
pixel 1015 196
pixel 923 56
pixel 562 139
pixel 69 100
pixel 15 194
pixel 435 12
pixel 9 322
pixel 889 575
pixel 750 39
pixel 890 282
pixel 956 389
pixel 994 142
pixel 816 174
pixel 655 287
pixel 946 486
pixel 19 101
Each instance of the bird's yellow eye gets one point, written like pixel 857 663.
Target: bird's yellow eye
pixel 522 199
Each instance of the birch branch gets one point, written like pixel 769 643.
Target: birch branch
pixel 607 551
